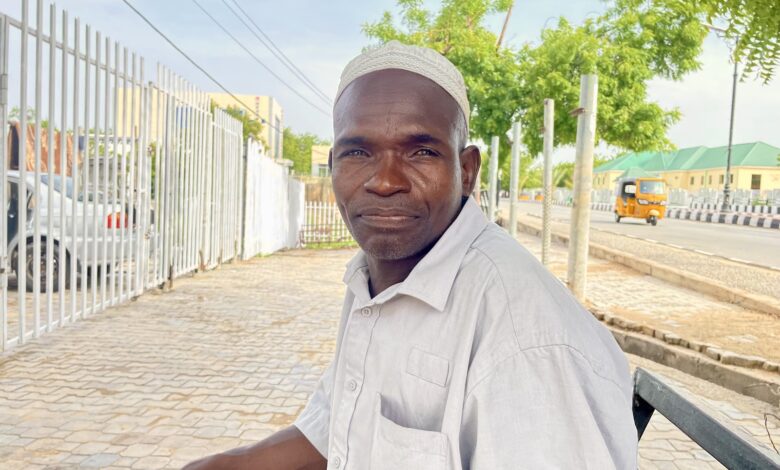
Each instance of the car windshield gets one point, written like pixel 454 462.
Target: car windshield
pixel 651 187
pixel 57 185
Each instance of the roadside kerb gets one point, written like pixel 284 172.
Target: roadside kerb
pixel 695 282
pixel 698 365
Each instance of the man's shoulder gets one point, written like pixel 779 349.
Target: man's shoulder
pixel 541 312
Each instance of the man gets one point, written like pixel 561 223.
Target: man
pixel 456 348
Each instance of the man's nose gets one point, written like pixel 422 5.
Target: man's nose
pixel 388 178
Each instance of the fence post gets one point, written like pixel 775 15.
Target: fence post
pixel 513 179
pixel 493 179
pixel 549 123
pixel 583 174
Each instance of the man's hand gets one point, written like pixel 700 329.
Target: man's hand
pixel 287 449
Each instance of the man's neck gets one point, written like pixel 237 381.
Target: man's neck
pixel 385 273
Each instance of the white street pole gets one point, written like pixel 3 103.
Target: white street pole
pixel 513 179
pixel 493 179
pixel 549 124
pixel 583 174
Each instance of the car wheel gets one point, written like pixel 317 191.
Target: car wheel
pixel 30 268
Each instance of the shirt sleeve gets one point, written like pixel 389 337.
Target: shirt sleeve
pixel 314 421
pixel 546 407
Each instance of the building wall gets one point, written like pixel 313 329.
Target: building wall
pixel 319 160
pixel 770 177
pixel 694 180
pixel 268 109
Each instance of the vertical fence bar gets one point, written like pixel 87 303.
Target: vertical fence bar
pixel 63 256
pixel 21 259
pixel 142 187
pixel 36 203
pixel 118 218
pixel 122 181
pixel 132 234
pixel 84 196
pixel 106 210
pixel 3 186
pixel 50 169
pixel 74 248
pixel 92 238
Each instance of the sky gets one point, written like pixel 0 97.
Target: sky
pixel 320 37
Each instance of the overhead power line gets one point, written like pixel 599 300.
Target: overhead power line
pixel 192 61
pixel 276 51
pixel 246 49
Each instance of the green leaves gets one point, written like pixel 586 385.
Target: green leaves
pixel 297 148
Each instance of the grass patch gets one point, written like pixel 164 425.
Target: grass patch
pixel 331 245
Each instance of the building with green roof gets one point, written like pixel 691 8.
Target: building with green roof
pixel 753 166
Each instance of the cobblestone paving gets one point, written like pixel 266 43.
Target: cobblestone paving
pixel 224 360
pixel 664 306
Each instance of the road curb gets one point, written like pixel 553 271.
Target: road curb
pixel 695 282
pixel 698 365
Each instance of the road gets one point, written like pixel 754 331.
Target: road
pixel 757 245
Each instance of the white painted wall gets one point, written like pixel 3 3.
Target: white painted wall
pixel 273 211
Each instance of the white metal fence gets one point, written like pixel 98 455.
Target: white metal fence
pixel 323 224
pixel 109 184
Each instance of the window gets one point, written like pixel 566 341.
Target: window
pixel 709 180
pixel 691 180
pixel 651 187
pixel 755 181
pixel 731 178
pixel 721 179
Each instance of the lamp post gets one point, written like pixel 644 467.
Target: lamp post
pixel 727 179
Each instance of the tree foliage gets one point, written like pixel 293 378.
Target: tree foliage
pixel 754 26
pixel 251 127
pixel 457 31
pixel 297 148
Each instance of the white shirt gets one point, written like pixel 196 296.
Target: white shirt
pixel 480 359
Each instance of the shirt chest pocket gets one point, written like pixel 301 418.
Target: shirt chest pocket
pixel 428 367
pixel 398 447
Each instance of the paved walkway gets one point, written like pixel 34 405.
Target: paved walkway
pixel 649 301
pixel 224 360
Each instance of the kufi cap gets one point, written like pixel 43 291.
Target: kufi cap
pixel 420 60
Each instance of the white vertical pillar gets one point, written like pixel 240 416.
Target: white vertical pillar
pixel 583 174
pixel 549 124
pixel 513 179
pixel 493 179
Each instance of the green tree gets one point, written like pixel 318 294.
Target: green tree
pixel 633 42
pixel 297 148
pixel 755 27
pixel 458 32
pixel 251 126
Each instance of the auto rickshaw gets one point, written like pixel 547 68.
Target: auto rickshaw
pixel 640 198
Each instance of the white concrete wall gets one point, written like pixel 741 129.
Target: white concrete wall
pixel 273 213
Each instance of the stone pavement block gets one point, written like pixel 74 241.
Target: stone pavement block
pixel 233 358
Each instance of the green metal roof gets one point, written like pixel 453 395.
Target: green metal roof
pixel 636 172
pixel 696 158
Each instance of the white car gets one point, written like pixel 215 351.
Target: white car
pixel 109 218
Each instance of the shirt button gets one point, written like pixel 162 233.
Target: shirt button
pixel 336 462
pixel 366 312
pixel 352 385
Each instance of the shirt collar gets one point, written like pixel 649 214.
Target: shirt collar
pixel 432 278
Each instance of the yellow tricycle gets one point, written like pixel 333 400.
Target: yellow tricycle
pixel 640 198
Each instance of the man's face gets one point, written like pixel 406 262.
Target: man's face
pixel 399 166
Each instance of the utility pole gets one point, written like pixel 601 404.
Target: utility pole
pixel 727 179
pixel 503 28
pixel 583 181
pixel 549 124
pixel 513 177
pixel 493 179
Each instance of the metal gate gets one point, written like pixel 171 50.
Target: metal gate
pixel 109 184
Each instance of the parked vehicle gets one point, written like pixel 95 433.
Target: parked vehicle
pixel 111 218
pixel 640 198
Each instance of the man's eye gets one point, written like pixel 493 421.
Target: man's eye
pixel 425 153
pixel 354 153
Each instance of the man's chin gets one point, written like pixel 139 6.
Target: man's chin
pixel 389 248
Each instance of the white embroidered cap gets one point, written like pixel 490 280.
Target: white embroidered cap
pixel 420 60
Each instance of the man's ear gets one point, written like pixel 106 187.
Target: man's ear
pixel 330 159
pixel 470 161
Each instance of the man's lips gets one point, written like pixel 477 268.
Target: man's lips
pixel 387 217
